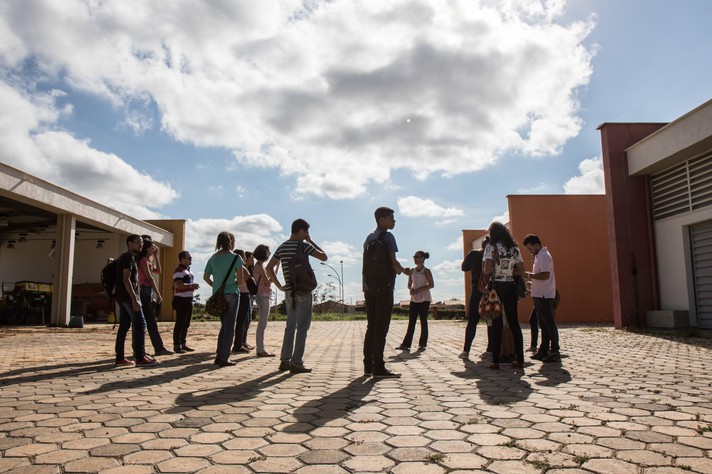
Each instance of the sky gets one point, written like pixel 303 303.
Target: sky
pixel 243 116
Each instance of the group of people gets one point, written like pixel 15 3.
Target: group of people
pixel 231 271
pixel 500 261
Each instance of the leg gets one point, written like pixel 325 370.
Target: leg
pixel 290 328
pixel 473 317
pixel 138 329
pixel 146 293
pixel 508 294
pixel 227 327
pixel 423 309
pixel 248 319
pixel 533 325
pixel 412 319
pixel 495 341
pixel 124 325
pixel 303 318
pixel 545 309
pixel 263 306
pixel 240 324
pixel 183 308
pixel 384 307
pixel 368 341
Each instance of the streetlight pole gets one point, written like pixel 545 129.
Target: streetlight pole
pixel 341 286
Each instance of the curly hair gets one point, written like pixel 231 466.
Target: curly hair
pixel 499 234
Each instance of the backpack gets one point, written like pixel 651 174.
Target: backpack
pixel 378 273
pixel 108 278
pixel 302 279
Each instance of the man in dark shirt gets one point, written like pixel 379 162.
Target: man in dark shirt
pixel 130 314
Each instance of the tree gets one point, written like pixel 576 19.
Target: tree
pixel 324 292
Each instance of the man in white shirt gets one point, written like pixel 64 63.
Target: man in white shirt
pixel 543 287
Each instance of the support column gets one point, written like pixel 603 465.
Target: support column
pixel 63 269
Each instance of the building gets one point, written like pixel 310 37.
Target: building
pixel 54 241
pixel 574 228
pixel 659 207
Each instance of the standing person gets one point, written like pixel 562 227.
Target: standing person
pixel 184 287
pixel 224 265
pixel 130 314
pixel 298 305
pixel 420 282
pixel 502 257
pixel 543 284
pixel 244 309
pixel 263 297
pixel 473 264
pixel 380 268
pixel 148 264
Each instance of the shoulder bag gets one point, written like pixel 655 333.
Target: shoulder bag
pixel 216 304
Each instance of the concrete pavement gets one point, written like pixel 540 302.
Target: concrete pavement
pixel 618 403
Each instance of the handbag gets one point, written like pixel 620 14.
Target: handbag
pixel 216 305
pixel 490 306
pixel 252 285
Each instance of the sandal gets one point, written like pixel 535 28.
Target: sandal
pixel 265 354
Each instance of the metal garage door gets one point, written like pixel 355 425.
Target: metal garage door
pixel 701 238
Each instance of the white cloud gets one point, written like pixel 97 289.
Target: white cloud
pixel 503 218
pixel 412 206
pixel 591 179
pixel 340 251
pixel 270 81
pixel 241 191
pixel 457 245
pixel 249 232
pixel 541 188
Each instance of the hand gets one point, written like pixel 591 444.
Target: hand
pixel 195 286
pixel 136 305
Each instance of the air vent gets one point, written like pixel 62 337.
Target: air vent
pixel 682 188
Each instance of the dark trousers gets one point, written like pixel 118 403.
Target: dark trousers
pixel 507 293
pixel 473 319
pixel 128 318
pixel 184 312
pixel 534 326
pixel 417 310
pixel 379 306
pixel 244 314
pixel 549 331
pixel 146 292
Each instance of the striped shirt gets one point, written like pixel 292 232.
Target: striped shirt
pixel 183 274
pixel 284 254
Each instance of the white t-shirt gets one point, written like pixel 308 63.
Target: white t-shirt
pixel 544 263
pixel 507 260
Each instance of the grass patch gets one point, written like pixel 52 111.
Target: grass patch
pixel 704 429
pixel 542 464
pixel 580 459
pixel 434 458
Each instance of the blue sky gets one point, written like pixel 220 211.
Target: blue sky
pixel 243 116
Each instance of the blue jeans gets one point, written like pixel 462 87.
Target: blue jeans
pixel 263 306
pixel 146 294
pixel 227 326
pixel 244 314
pixel 128 318
pixel 299 314
pixel 549 331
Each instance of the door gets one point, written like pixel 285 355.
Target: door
pixel 701 242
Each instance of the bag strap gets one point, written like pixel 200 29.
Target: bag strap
pixel 229 271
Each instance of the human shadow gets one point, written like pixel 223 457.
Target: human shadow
pixel 246 390
pixel 551 375
pixel 317 413
pixel 185 366
pixel 49 372
pixel 407 355
pixel 496 387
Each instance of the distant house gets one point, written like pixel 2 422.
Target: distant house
pixel 332 306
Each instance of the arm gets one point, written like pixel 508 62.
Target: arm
pixel 538 276
pixel 180 285
pixel 143 266
pixel 467 262
pixel 241 275
pixel 126 277
pixel 429 277
pixel 397 266
pixel 271 267
pixel 487 266
pixel 319 254
pixel 410 284
pixel 519 269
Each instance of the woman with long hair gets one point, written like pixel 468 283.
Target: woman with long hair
pixel 420 282
pixel 263 297
pixel 148 264
pixel 226 266
pixel 503 259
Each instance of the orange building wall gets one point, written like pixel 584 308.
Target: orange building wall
pixel 574 229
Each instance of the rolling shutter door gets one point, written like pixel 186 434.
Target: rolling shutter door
pixel 701 239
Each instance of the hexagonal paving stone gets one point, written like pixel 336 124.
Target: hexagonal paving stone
pixel 418 468
pixel 183 465
pixel 147 457
pixel 276 465
pixel 369 464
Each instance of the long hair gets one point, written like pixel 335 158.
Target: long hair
pixel 223 240
pixel 147 244
pixel 499 234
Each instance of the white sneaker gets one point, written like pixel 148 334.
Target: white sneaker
pixel 464 355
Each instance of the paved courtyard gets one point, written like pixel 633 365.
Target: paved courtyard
pixel 618 403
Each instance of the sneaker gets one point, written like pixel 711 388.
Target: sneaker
pixel 531 349
pixel 402 348
pixel 240 350
pixel 265 354
pixel 224 363
pixel 299 369
pixel 124 362
pixel 188 349
pixel 178 350
pixel 464 355
pixel 247 346
pixel 386 374
pixel 146 362
pixel 539 355
pixel 422 348
pixel 163 352
pixel 284 366
pixel 149 358
pixel 552 357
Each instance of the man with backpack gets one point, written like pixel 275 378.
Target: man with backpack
pixel 380 268
pixel 130 314
pixel 299 282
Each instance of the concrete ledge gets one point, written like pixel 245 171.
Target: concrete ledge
pixel 668 318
